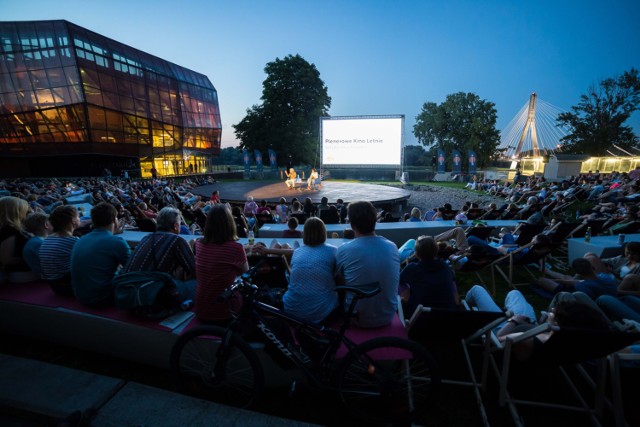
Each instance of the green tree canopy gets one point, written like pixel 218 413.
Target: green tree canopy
pixel 293 99
pixel 464 122
pixel 597 122
pixel 415 155
pixel 229 156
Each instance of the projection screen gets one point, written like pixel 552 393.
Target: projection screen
pixel 362 141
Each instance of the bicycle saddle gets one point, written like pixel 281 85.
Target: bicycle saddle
pixel 364 291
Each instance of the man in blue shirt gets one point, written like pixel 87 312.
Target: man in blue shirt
pixel 370 259
pixel 97 256
pixel 586 280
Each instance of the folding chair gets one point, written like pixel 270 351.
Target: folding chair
pixel 520 259
pixel 565 348
pixel 616 362
pixel 429 325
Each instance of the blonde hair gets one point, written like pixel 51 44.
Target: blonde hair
pixel 13 211
pixel 415 213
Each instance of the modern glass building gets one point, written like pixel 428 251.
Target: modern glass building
pixel 73 102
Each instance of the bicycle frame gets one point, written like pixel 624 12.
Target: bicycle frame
pixel 252 312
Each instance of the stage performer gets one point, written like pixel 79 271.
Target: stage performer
pixel 313 176
pixel 291 178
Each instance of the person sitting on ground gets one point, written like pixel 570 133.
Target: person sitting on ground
pixel 331 215
pixel 296 207
pixel 96 257
pixel 55 251
pixel 586 280
pixel 219 259
pixel 311 294
pixel 165 251
pixel 37 224
pixel 415 215
pixel 323 206
pixel 250 207
pixel 309 208
pixel 215 197
pixel 263 209
pixel 291 232
pixel 282 211
pixel 429 281
pixel 14 269
pixel 368 259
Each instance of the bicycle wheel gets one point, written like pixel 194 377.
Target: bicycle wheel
pixel 232 375
pixel 387 379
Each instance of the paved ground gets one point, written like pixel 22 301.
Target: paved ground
pixel 34 393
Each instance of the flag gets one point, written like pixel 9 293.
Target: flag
pixel 441 160
pixel 246 160
pixel 258 155
pixel 457 162
pixel 272 160
pixel 473 160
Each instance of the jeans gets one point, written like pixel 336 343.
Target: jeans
pixel 627 307
pixel 515 302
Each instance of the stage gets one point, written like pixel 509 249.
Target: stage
pixel 271 191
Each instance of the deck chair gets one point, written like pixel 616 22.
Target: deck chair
pixel 566 352
pixel 480 232
pixel 532 253
pixel 274 272
pixel 616 361
pixel 431 326
pixel 559 236
pixel 528 232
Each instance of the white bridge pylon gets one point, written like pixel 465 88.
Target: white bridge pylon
pixel 533 131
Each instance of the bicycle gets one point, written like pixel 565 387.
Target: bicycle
pixel 386 379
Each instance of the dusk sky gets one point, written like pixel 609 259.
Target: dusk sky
pixel 376 57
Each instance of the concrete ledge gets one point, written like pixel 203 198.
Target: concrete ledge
pixel 52 390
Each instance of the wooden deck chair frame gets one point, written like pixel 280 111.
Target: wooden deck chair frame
pixel 615 361
pixel 510 257
pixel 601 403
pixel 465 320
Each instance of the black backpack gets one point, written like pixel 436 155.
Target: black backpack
pixel 148 294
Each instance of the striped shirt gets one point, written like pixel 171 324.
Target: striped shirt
pixel 162 251
pixel 55 256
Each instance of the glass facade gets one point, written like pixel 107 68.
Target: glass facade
pixel 67 91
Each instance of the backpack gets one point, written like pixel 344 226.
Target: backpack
pixel 148 294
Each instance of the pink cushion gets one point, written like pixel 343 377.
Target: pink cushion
pixel 40 293
pixel 360 335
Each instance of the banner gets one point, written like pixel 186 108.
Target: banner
pixel 457 162
pixel 258 155
pixel 247 161
pixel 441 160
pixel 472 162
pixel 272 160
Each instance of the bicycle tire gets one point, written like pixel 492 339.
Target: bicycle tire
pixel 387 380
pixel 236 379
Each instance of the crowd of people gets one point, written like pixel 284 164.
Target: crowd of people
pixel 45 237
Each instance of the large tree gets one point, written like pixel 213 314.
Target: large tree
pixel 464 122
pixel 294 97
pixel 597 122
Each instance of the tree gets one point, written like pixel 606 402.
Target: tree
pixel 414 155
pixel 597 122
pixel 293 99
pixel 463 122
pixel 229 156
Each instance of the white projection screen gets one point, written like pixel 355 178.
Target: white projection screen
pixel 362 141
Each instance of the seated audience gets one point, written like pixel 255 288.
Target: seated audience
pixel 13 211
pixel 415 215
pixel 586 280
pixel 369 259
pixel 430 281
pixel 625 269
pixel 167 252
pixel 37 224
pixel 311 293
pixel 291 232
pixel 55 251
pixel 219 259
pixel 96 257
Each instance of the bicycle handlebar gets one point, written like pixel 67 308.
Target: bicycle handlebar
pixel 241 282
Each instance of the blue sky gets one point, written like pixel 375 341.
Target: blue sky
pixel 376 57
